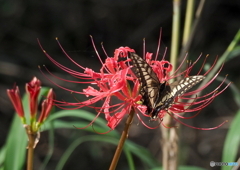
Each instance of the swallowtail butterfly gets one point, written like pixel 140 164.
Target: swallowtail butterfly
pixel 158 96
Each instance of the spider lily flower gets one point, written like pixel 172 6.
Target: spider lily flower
pixel 109 83
pixel 32 89
pixel 14 95
pixel 188 101
pixel 46 108
pixel 114 80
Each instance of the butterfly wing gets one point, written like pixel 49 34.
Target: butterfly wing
pixel 170 92
pixel 159 96
pixel 183 85
pixel 150 84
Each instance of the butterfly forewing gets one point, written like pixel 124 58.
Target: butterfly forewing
pixel 148 80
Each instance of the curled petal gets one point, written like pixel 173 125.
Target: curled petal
pixel 90 91
pixel 122 52
pixel 114 120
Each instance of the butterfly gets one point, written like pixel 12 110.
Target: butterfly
pixel 156 95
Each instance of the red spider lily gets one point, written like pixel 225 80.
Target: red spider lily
pixel 32 89
pixel 114 79
pixel 189 101
pixel 111 81
pixel 46 107
pixel 14 95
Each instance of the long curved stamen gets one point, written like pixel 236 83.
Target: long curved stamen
pixel 68 55
pixel 149 127
pixel 197 127
pixel 179 67
pixel 159 44
pixel 212 66
pixel 95 49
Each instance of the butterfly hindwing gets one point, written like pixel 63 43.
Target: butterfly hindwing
pixel 183 85
pixel 173 90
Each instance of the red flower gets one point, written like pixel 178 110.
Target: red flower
pixel 33 89
pixel 114 80
pixel 14 95
pixel 46 107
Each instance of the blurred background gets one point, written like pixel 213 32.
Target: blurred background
pixel 115 23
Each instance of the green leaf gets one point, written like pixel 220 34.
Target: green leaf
pixel 234 53
pixel 142 153
pixel 129 148
pixel 236 94
pixel 77 113
pixel 232 141
pixel 99 126
pixel 53 122
pixel 84 118
pixel 129 157
pixel 77 142
pixel 2 155
pixel 15 146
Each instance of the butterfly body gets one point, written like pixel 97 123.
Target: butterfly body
pixel 158 96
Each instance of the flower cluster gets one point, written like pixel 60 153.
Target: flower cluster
pixel 32 88
pixel 116 80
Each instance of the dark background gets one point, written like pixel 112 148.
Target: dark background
pixel 116 23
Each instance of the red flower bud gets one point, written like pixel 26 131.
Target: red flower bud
pixel 33 89
pixel 46 106
pixel 14 95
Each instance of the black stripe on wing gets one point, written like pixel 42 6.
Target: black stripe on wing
pixel 150 84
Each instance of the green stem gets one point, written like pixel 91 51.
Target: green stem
pixel 122 141
pixel 188 21
pixel 175 33
pixel 187 42
pixel 169 141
